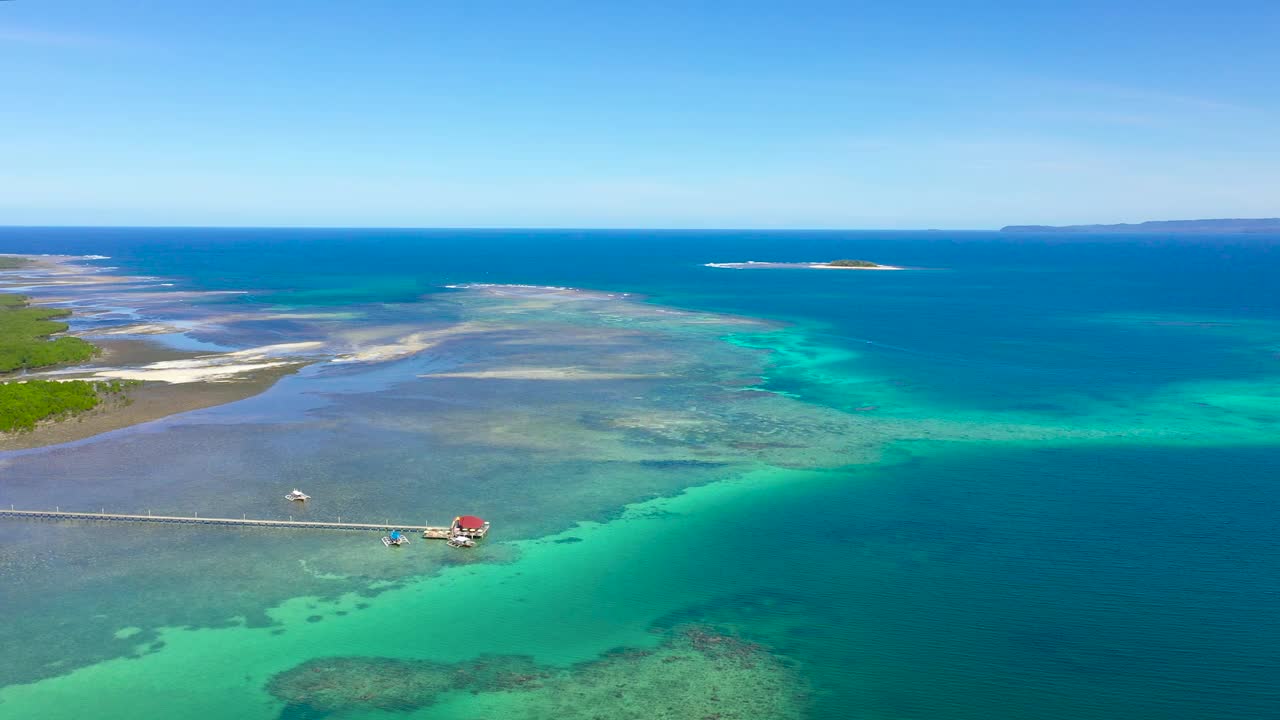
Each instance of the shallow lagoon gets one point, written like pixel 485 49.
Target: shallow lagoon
pixel 1058 543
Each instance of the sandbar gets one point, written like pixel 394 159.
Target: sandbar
pixel 151 401
pixel 172 381
pixel 541 373
pixel 762 265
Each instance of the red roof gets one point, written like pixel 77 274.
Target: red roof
pixel 470 522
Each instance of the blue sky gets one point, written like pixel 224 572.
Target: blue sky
pixel 598 114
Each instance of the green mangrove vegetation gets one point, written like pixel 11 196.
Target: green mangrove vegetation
pixel 25 403
pixel 25 345
pixel 24 337
pixel 12 262
pixel 853 263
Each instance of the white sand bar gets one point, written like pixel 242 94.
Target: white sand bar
pixel 541 373
pixel 760 265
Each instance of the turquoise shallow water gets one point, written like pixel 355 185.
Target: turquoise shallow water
pixel 1027 478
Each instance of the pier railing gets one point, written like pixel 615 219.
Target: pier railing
pixel 195 519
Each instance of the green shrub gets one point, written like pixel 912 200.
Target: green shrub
pixel 853 263
pixel 23 404
pixel 24 332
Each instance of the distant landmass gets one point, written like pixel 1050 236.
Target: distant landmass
pixel 1229 225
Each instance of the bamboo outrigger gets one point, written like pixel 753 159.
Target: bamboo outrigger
pixel 395 539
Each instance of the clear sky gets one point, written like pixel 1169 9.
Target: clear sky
pixel 637 114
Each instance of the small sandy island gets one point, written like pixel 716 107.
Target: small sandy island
pixel 828 265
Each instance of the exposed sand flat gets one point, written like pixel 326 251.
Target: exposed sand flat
pixel 303 316
pixel 62 264
pixel 176 381
pixel 178 376
pixel 411 344
pixel 277 349
pixel 47 273
pixel 148 294
pixel 223 367
pixel 537 291
pixel 138 329
pixel 64 270
pixel 243 317
pixel 528 302
pixel 152 401
pixel 381 345
pixel 35 281
pixel 542 373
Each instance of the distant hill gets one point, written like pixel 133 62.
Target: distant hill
pixel 1230 225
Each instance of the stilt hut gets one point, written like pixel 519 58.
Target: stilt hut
pixel 469 526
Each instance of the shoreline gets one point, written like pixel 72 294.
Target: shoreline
pixel 173 381
pixel 153 401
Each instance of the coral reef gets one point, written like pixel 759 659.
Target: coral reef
pixel 696 673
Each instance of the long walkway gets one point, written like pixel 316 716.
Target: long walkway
pixel 197 520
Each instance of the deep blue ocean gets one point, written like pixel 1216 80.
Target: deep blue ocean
pixel 978 575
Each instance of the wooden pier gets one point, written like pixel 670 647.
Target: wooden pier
pixel 429 531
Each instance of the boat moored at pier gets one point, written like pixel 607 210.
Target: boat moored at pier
pixel 395 539
pixel 468 528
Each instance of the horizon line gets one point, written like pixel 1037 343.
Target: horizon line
pixel 493 227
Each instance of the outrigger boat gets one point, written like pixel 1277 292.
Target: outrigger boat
pixel 461 541
pixel 297 495
pixel 396 538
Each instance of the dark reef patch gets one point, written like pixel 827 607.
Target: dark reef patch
pixel 329 685
pixel 696 672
